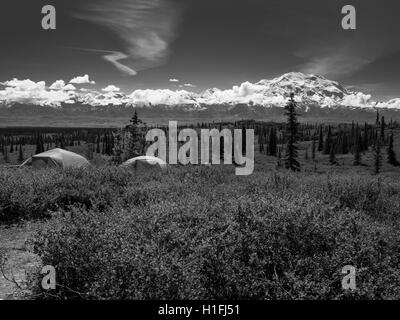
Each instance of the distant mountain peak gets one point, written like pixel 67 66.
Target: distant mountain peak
pixel 309 89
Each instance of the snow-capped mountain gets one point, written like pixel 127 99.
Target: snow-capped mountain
pixel 391 104
pixel 317 97
pixel 308 90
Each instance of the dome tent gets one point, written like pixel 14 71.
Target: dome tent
pixel 57 158
pixel 144 162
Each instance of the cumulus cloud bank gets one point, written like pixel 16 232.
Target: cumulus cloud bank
pixel 111 88
pixel 35 93
pixel 161 96
pixel 82 80
pixel 60 85
pixel 145 26
pixel 308 89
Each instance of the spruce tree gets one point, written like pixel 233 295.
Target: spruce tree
pixel 383 126
pixel 291 136
pixel 98 145
pixel 332 157
pixel 117 149
pixel 272 143
pixel 391 155
pixel 12 146
pixel 279 160
pixel 221 146
pixel 39 144
pixel 377 156
pixel 313 148
pixel 345 144
pixel 244 139
pixel 135 142
pixel 260 142
pixel 377 118
pixel 320 140
pixel 21 154
pixel 357 149
pixel 5 155
pixel 365 141
pixel 89 151
pixel 62 142
pixel 328 141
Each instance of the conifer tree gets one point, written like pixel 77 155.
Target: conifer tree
pixel 345 144
pixel 383 126
pixel 279 160
pixel 352 141
pixel 365 141
pixel 272 144
pixel 117 150
pixel 328 141
pixel 12 146
pixel 89 151
pixel 21 154
pixel 221 146
pixel 357 149
pixel 391 155
pixel 332 157
pixel 135 143
pixel 244 139
pixel 313 147
pixel 103 145
pixel 98 145
pixel 39 144
pixel 377 156
pixel 320 140
pixel 291 135
pixel 62 142
pixel 5 155
pixel 377 118
pixel 260 142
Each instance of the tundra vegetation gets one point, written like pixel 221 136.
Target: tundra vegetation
pixel 201 232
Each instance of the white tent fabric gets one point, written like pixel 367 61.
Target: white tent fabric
pixel 143 162
pixel 58 158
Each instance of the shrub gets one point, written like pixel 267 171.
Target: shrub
pixel 203 233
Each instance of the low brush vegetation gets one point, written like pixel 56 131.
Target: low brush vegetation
pixel 204 233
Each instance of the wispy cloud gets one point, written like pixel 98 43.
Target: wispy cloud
pixel 115 57
pixel 145 26
pixel 334 65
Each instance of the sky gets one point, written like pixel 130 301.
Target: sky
pixel 199 44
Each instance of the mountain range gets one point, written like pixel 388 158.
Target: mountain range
pixel 24 102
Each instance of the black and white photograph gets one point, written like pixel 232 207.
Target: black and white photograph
pixel 175 151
